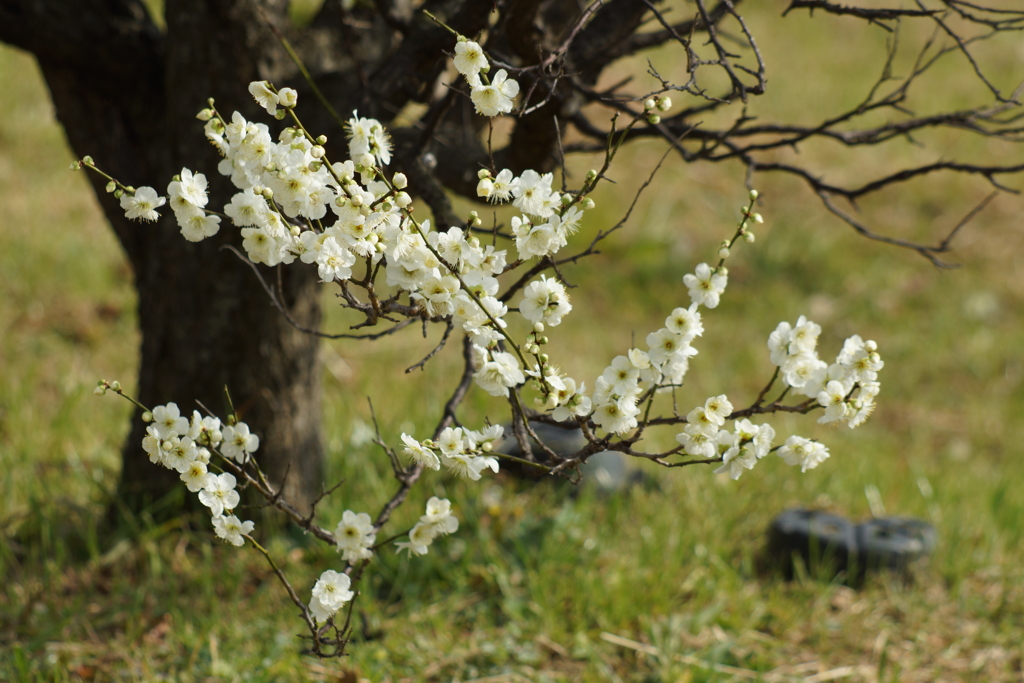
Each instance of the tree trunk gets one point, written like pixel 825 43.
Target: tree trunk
pixel 128 96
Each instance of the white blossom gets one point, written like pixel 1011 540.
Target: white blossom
pixel 706 286
pixel 495 98
pixel 355 536
pixel 231 529
pixel 330 594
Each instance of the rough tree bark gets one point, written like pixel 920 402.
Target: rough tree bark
pixel 127 95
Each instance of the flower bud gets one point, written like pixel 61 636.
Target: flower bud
pixel 147 416
pixel 757 218
pixel 295 231
pixel 484 187
pixel 544 358
pixel 723 253
pixel 205 115
pixel 115 385
pixel 483 173
pixel 400 181
pixel 402 200
pixel 280 114
pixel 321 140
pixel 754 194
pixel 538 327
pixel 111 186
pixel 591 175
pixel 653 119
pixel 100 389
pixel 588 203
pixel 87 160
pixel 317 152
pixel 118 193
pixel 76 165
pixel 664 103
pixel 649 105
pixel 289 98
pixel 749 237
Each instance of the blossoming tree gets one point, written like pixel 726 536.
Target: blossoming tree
pixel 295 204
pixel 131 104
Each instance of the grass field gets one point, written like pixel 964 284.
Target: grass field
pixel 657 584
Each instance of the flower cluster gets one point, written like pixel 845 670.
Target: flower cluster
pixel 438 521
pixel 664 364
pixel 177 443
pixel 187 192
pixel 463 451
pixel 846 389
pixel 490 97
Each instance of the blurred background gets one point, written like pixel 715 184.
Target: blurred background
pixel 538 582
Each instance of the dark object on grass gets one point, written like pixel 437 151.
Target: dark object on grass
pixel 606 470
pixel 893 542
pixel 563 441
pixel 823 541
pixel 830 546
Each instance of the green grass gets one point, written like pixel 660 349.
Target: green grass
pixel 537 585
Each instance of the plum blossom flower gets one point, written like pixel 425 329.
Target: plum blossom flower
pixel 706 286
pixel 469 58
pixel 330 594
pixel 419 453
pixel 496 98
pixel 143 204
pixel 546 301
pixel 168 421
pixel 439 516
pixel 264 96
pixel 420 538
pixel 238 443
pixel 219 494
pixel 355 536
pixel 499 374
pixel 335 261
pixel 231 529
pixel 804 452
